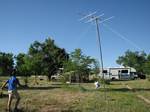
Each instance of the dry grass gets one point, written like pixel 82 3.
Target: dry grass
pixel 55 97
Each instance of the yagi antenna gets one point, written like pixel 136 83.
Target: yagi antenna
pixel 106 19
pixel 97 19
pixel 87 16
pixel 94 17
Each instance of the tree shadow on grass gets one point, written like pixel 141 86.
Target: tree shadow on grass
pixel 126 89
pixel 117 90
pixel 22 110
pixel 18 110
pixel 57 84
pixel 3 95
pixel 39 88
pixel 65 84
pixel 141 89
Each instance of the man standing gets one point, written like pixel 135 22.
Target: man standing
pixel 12 90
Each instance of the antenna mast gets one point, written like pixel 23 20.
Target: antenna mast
pixel 92 17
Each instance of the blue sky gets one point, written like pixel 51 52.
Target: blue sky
pixel 24 21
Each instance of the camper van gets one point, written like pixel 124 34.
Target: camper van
pixel 119 73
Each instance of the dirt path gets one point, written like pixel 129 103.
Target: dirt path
pixel 138 95
pixel 143 98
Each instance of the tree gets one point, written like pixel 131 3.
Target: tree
pixel 147 68
pixel 79 64
pixel 133 59
pixel 24 66
pixel 47 57
pixel 6 63
pixel 96 67
pixel 147 65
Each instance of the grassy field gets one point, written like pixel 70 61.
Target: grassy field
pixel 141 87
pixel 57 97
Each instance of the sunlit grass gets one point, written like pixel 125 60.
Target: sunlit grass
pixel 57 97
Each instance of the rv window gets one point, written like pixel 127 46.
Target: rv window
pixel 104 71
pixel 124 71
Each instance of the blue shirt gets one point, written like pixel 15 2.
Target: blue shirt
pixel 12 83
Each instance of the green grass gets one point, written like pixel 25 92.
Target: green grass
pixel 141 87
pixel 57 97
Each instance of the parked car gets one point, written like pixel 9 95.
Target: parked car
pixel 141 76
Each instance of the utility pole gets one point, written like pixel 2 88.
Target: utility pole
pixel 91 17
pixel 100 46
pixel 101 55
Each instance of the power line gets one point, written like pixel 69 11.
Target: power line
pixel 122 37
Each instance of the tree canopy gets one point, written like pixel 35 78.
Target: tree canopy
pixel 6 63
pixel 80 64
pixel 138 60
pixel 46 58
pixel 43 58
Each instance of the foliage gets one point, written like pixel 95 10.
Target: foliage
pixel 80 64
pixel 6 63
pixel 47 57
pixel 136 60
pixel 147 65
pixel 23 64
pixel 96 67
pixel 43 58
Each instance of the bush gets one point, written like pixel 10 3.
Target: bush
pixel 107 81
pixel 94 78
pixel 148 77
pixel 142 76
pixel 64 78
pixel 25 79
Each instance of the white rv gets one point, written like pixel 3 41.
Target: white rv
pixel 119 73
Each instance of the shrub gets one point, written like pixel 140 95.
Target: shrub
pixel 148 77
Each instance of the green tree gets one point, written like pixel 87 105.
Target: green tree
pixel 96 67
pixel 147 68
pixel 133 59
pixel 6 63
pixel 79 64
pixel 35 54
pixel 47 57
pixel 147 65
pixel 54 57
pixel 24 66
